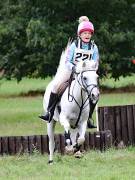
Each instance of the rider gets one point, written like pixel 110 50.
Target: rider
pixel 81 49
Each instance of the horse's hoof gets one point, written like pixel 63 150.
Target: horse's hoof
pixel 69 150
pixel 78 154
pixel 50 162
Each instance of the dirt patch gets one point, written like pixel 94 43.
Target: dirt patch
pixel 103 90
pixel 129 89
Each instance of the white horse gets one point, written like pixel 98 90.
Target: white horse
pixel 75 107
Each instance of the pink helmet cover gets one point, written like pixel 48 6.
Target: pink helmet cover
pixel 85 26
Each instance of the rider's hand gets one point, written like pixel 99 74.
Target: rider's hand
pixel 74 69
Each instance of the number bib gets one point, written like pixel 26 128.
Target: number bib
pixel 82 55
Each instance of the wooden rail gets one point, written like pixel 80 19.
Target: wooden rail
pixel 120 120
pixel 28 144
pixel 116 125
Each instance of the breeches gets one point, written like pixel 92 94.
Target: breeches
pixel 60 78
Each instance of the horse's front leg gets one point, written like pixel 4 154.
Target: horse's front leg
pixel 82 131
pixel 50 132
pixel 65 123
pixel 73 135
pixel 80 139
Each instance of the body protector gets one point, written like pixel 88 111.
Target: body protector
pixel 83 54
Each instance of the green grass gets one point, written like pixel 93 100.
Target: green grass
pixel 13 88
pixel 111 165
pixel 19 115
pixel 122 82
pixel 114 99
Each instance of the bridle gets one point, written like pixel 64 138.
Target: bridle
pixel 85 86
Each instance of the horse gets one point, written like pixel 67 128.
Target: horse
pixel 75 107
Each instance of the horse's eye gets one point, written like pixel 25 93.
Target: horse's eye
pixel 84 78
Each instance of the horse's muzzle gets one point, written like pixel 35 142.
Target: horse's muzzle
pixel 95 94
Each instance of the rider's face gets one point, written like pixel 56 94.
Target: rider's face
pixel 86 36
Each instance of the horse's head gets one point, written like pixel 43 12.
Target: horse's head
pixel 88 79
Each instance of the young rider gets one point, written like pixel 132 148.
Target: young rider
pixel 81 49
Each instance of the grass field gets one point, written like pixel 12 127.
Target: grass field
pixel 122 82
pixel 19 114
pixel 12 88
pixel 111 165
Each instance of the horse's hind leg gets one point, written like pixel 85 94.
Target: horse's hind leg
pixel 50 132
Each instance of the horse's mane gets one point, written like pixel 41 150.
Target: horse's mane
pixel 63 54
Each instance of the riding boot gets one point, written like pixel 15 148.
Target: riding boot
pixel 51 107
pixel 89 123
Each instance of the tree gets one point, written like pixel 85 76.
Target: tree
pixel 33 34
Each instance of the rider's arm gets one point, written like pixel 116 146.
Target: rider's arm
pixel 95 56
pixel 69 56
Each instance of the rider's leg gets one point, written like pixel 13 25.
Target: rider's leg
pixel 89 123
pixel 51 107
pixel 61 77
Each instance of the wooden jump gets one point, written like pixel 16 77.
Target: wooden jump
pixel 28 144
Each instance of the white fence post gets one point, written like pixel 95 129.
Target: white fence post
pixel 97 123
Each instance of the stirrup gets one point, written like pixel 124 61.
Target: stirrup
pixel 47 117
pixel 43 118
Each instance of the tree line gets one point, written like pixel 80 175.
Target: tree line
pixel 33 34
